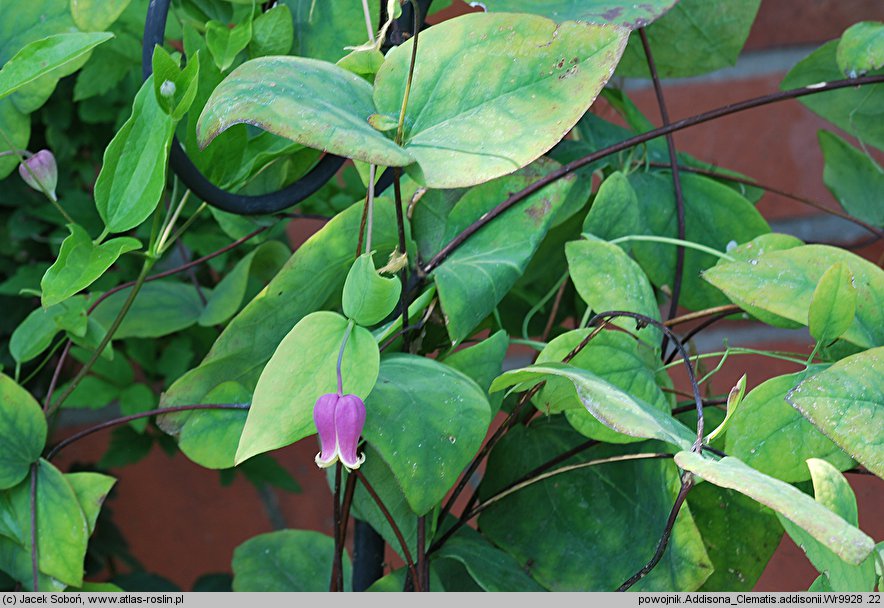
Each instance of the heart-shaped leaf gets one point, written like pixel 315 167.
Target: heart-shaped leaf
pixel 301 370
pixel 426 420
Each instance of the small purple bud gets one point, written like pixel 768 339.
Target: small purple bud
pixel 41 172
pixel 349 420
pixel 324 417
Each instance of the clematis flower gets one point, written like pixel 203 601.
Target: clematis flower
pixel 41 172
pixel 339 420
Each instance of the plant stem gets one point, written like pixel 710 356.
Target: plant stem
pixel 767 188
pixel 53 452
pixel 422 565
pixel 693 332
pixel 170 221
pixel 515 487
pixel 145 268
pixel 406 554
pixel 368 24
pixel 680 243
pixel 641 138
pixel 337 558
pixel 174 238
pixel 676 180
pixel 61 360
pixel 687 482
pixel 347 333
pixel 35 570
pixel 400 129
pixel 644 319
pixel 736 350
pixel 726 309
pixel 403 249
pixel 559 285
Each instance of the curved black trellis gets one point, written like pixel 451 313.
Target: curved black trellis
pixel 241 204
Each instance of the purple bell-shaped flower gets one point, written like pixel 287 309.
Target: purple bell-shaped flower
pixel 41 172
pixel 339 420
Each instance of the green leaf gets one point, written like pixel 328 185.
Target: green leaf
pixel 783 282
pixel 91 490
pixel 631 16
pixel 771 436
pixel 695 37
pixel 740 536
pixel 97 15
pixel 210 438
pixel 80 263
pixel 861 48
pixel 286 561
pixel 615 210
pixel 478 274
pixel 394 582
pixel 175 88
pixel 369 297
pixel 366 63
pixel 313 276
pixel 91 393
pixel 486 123
pixel 493 569
pixel 225 43
pixel 846 403
pixel 273 33
pixel 854 178
pixel 851 544
pixel 832 491
pixel 384 483
pixel 126 447
pixel 265 472
pixel 22 432
pixel 160 308
pixel 17 127
pixel 482 362
pixel 445 416
pixel 589 511
pixel 62 528
pixel 133 175
pixel 734 399
pixel 43 56
pixel 857 110
pixel 715 215
pixel 608 279
pixel 35 334
pixel 615 358
pixel 833 304
pixel 302 369
pixel 134 399
pixel 613 407
pixel 316 104
pixel 228 294
pixel 324 29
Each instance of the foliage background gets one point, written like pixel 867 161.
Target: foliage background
pixel 180 522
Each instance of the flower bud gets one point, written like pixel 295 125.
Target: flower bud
pixel 40 172
pixel 339 420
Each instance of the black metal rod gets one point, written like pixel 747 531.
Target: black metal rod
pixel 368 556
pixel 202 188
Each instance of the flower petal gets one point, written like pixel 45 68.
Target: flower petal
pixel 349 420
pixel 324 418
